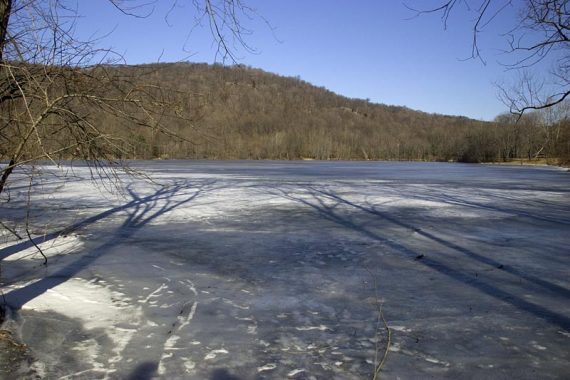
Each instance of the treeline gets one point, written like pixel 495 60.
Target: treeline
pixel 243 113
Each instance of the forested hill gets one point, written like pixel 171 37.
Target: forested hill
pixel 245 113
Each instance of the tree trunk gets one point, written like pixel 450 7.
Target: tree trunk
pixel 5 10
pixel 6 174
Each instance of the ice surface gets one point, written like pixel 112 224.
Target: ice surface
pixel 254 270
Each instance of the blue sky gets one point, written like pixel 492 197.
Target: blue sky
pixel 363 49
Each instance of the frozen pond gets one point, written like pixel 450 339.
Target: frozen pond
pixel 293 270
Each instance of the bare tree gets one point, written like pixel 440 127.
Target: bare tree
pixel 540 36
pixel 62 97
pixel 54 88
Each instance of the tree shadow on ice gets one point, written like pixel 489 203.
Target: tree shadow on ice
pixel 327 205
pixel 454 200
pixel 373 210
pixel 222 374
pixel 140 211
pixel 134 203
pixel 144 371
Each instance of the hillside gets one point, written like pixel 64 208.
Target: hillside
pixel 201 111
pixel 245 113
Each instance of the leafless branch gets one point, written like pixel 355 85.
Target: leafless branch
pixel 540 35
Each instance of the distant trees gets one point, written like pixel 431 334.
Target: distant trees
pixel 539 134
pixel 286 118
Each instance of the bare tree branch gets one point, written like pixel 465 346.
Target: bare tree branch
pixel 540 34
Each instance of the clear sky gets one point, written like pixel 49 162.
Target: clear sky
pixel 363 49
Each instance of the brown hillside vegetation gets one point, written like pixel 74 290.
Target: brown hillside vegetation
pixel 242 113
pixel 247 113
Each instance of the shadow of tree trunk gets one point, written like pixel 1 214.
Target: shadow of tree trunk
pixel 321 203
pixel 140 212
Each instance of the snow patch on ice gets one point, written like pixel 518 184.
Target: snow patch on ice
pixel 155 293
pixel 308 328
pixel 436 361
pixel 185 321
pixel 161 366
pixel 189 365
pixel 97 307
pixel 538 346
pixel 90 348
pixel 267 367
pixel 295 372
pixel 232 303
pixel 394 347
pixel 214 353
pixel 399 328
